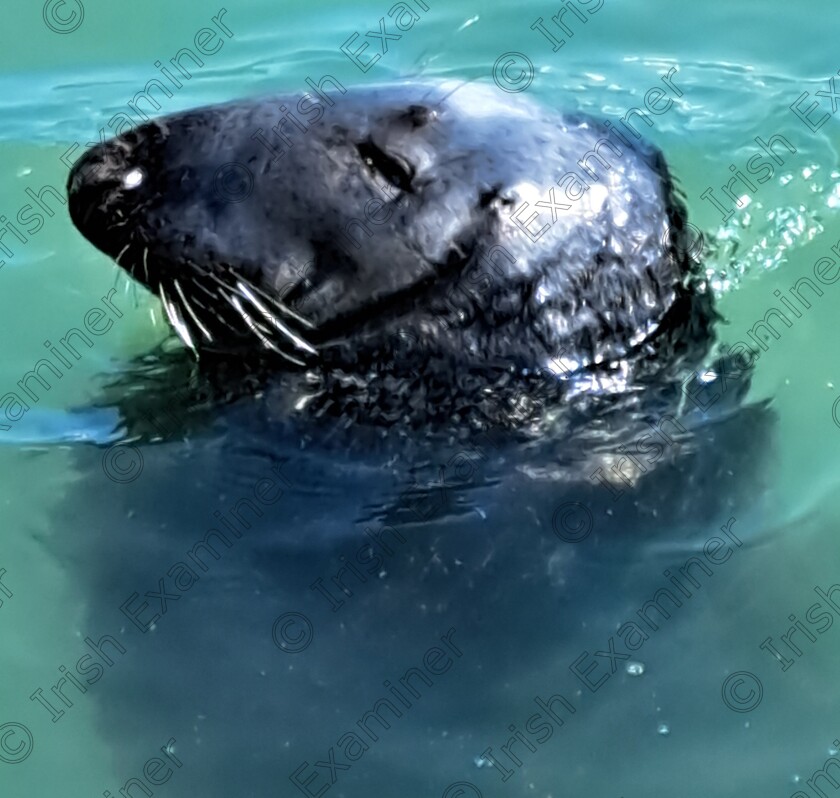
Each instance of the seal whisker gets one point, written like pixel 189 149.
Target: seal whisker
pixel 198 302
pixel 202 287
pixel 188 308
pixel 249 291
pixel 176 319
pixel 122 252
pixel 282 307
pixel 449 94
pixel 299 342
pixel 266 305
pixel 260 331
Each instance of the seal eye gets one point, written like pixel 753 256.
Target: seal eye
pixel 396 171
pixel 133 178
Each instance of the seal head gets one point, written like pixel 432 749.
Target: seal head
pixel 398 231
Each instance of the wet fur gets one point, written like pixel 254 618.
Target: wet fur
pixel 444 304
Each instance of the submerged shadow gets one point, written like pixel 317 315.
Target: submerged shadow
pixel 305 607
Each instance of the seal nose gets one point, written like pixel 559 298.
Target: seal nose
pixel 84 167
pixel 91 180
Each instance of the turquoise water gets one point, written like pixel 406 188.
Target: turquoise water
pixel 73 541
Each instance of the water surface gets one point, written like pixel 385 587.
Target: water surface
pixel 525 604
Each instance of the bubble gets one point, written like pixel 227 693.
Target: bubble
pixel 635 668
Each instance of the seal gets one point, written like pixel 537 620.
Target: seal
pixel 431 237
pixel 513 250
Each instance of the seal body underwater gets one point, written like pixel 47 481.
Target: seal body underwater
pixel 431 236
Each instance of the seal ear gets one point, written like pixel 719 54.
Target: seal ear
pixel 417 115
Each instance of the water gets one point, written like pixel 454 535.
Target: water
pixel 712 713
